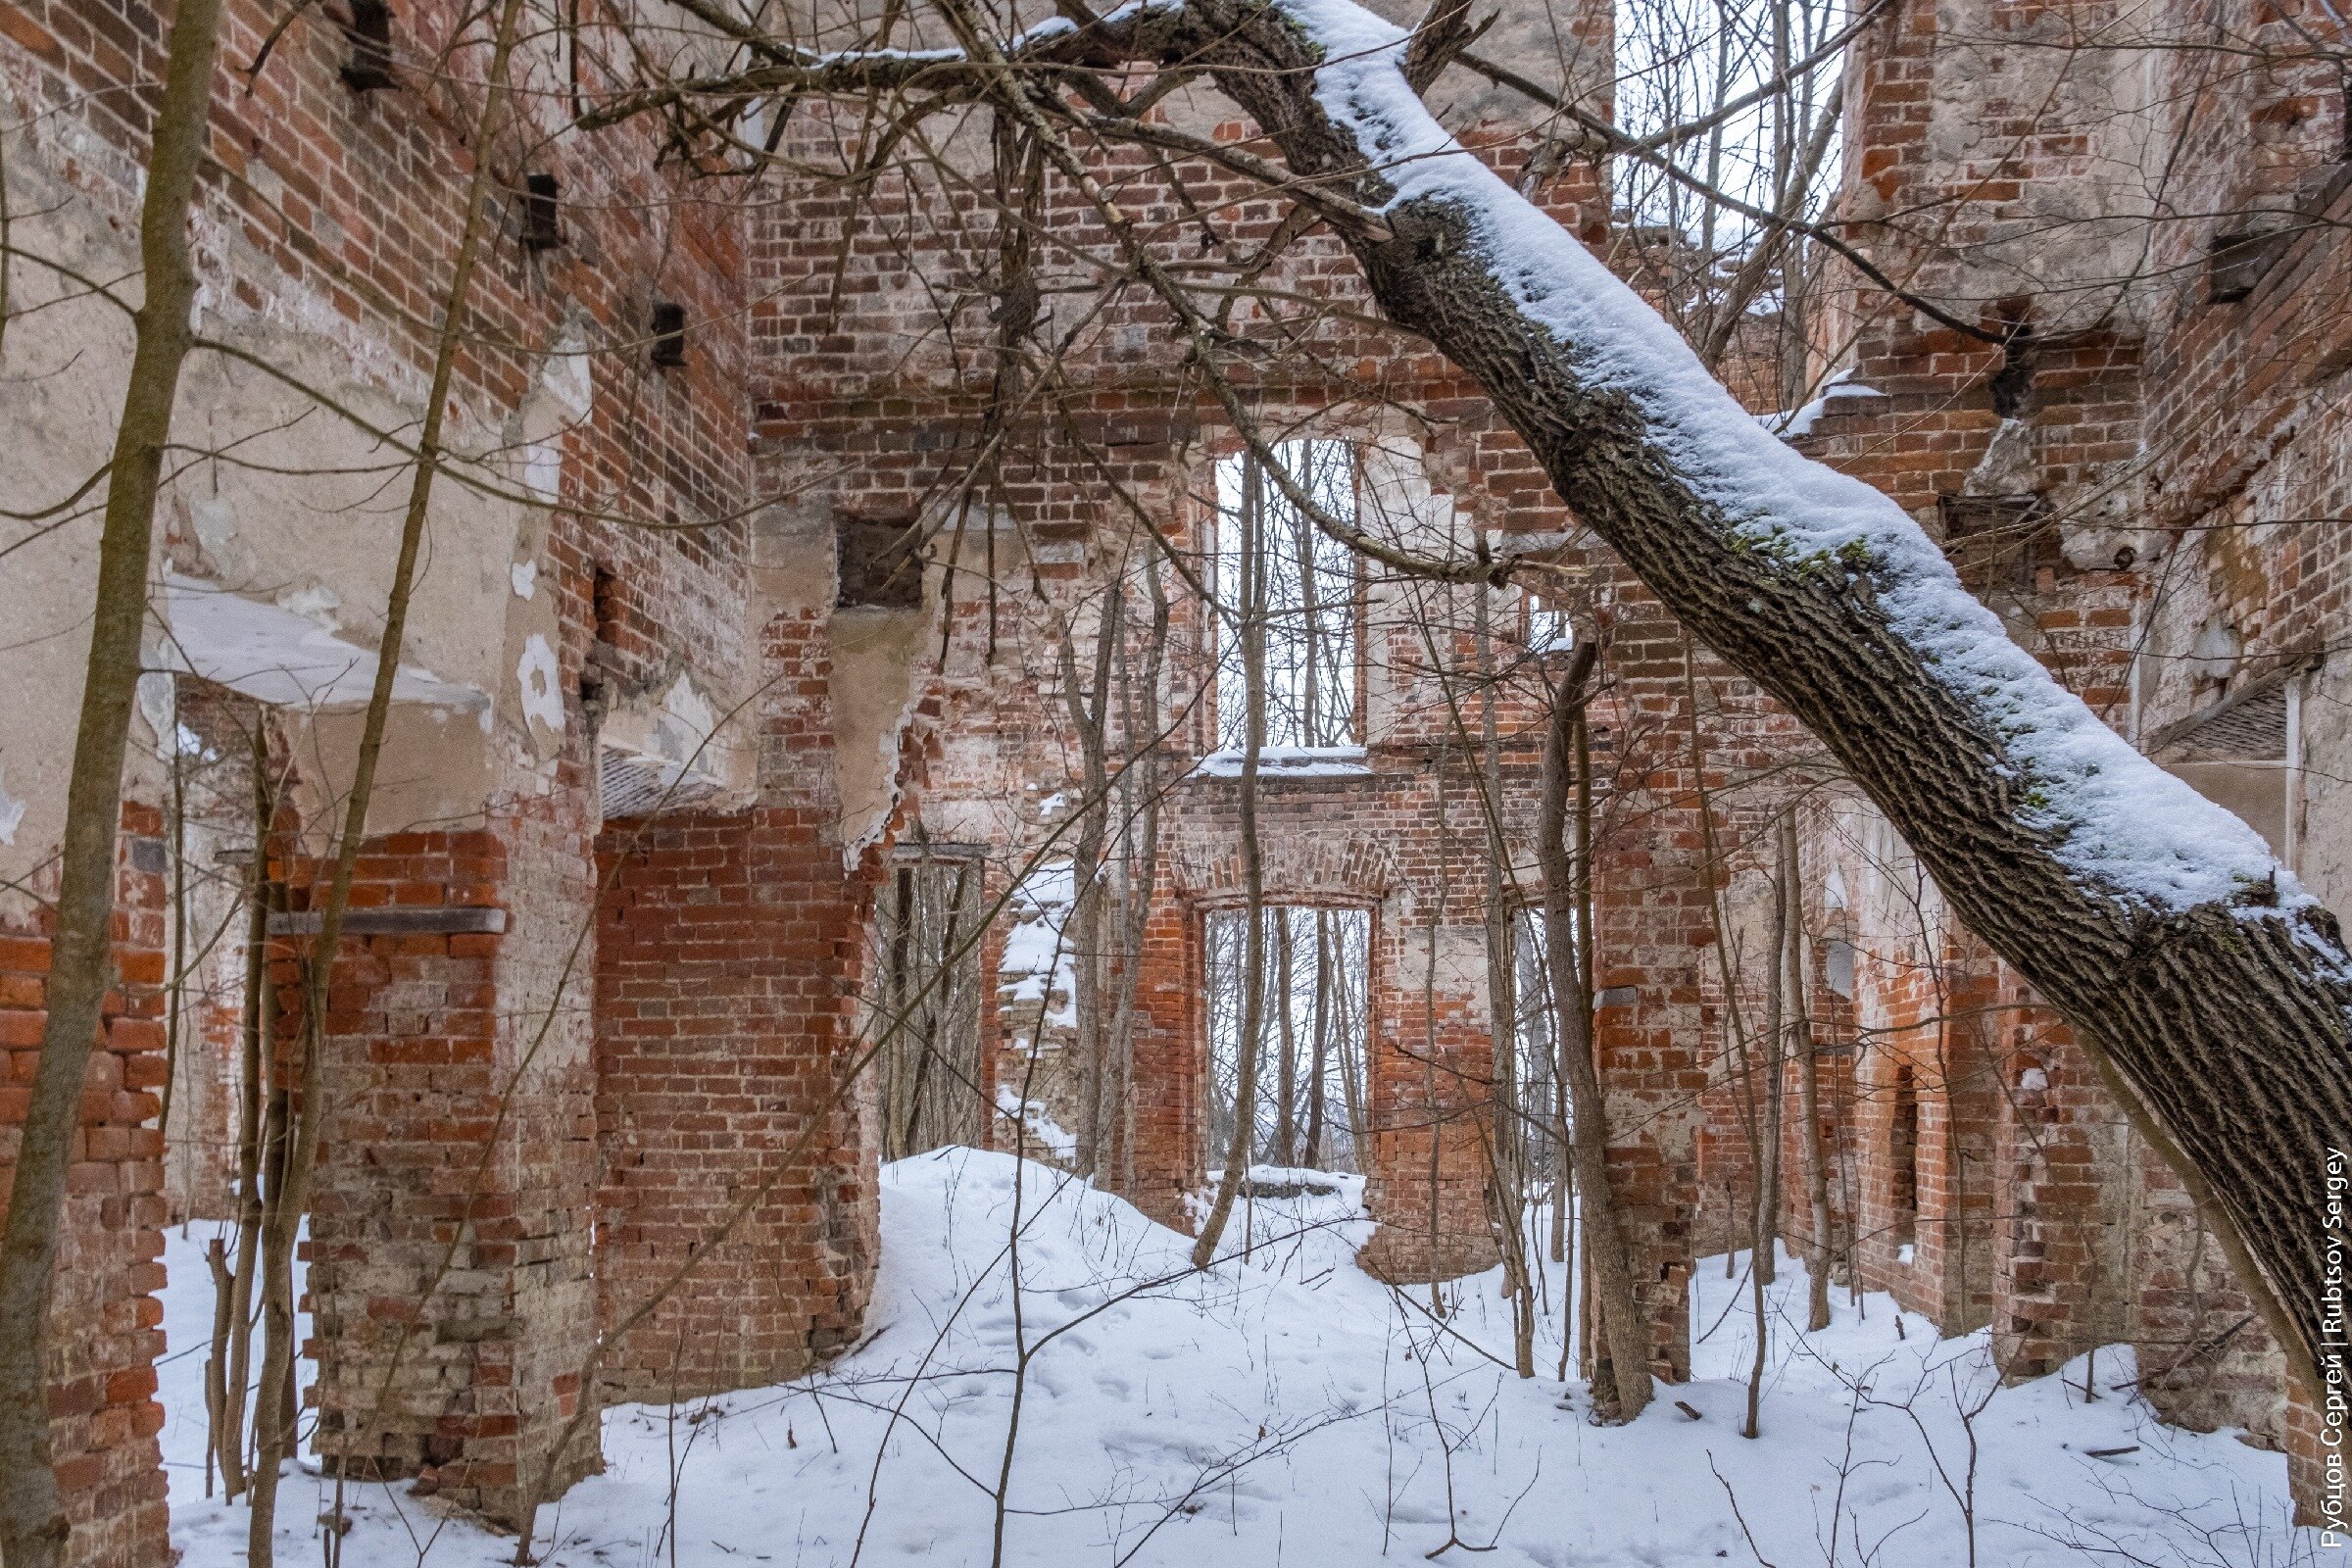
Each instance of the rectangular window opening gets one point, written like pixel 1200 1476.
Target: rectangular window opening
pixel 1314 1024
pixel 1902 1160
pixel 1275 566
pixel 1536 1139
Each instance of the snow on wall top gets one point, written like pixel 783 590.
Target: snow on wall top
pixel 2120 820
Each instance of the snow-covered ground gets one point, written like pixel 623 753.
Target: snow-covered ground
pixel 1284 1409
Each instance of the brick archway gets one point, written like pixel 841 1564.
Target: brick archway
pixel 1428 1047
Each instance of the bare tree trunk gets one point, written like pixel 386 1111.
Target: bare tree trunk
pixel 174 1008
pixel 215 1363
pixel 1763 1262
pixel 1140 782
pixel 1286 1069
pixel 1808 1072
pixel 229 1433
pixel 291 1200
pixel 1352 1044
pixel 2255 1091
pixel 33 1520
pixel 1254 870
pixel 1086 923
pixel 1319 1070
pixel 1508 1146
pixel 1621 1383
pixel 1775 1098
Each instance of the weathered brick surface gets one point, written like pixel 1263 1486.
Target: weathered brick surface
pixel 670 1054
pixel 729 953
pixel 106 1324
pixel 447 1238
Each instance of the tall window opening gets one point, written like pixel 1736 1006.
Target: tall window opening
pixel 1902 1159
pixel 1274 565
pixel 1540 1092
pixel 925 1008
pixel 1310 1043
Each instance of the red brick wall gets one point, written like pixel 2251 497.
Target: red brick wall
pixel 106 1324
pixel 729 952
pixel 2063 1175
pixel 448 1212
pixel 1171 1065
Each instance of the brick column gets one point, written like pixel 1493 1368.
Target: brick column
pixel 107 1325
pixel 1171 1065
pixel 2063 1184
pixel 729 955
pixel 449 1268
pixel 2308 1457
pixel 1430 1065
pixel 1653 927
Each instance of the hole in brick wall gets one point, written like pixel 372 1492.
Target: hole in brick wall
pixel 1902 1159
pixel 1542 1093
pixel 881 564
pixel 607 606
pixel 542 226
pixel 1550 625
pixel 368 67
pixel 668 350
pixel 2012 385
pixel 1318 1023
pixel 1998 542
pixel 1308 586
pixel 2237 263
pixel 930 1070
pixel 1837 966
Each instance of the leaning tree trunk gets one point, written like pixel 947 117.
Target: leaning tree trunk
pixel 32 1523
pixel 2158 924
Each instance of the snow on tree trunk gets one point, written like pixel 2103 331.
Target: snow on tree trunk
pixel 2157 923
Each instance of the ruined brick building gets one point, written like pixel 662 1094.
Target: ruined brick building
pixel 741 648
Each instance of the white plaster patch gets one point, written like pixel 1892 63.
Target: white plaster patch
pixel 565 373
pixel 686 724
pixel 159 705
pixel 12 809
pixel 542 696
pixel 215 523
pixel 278 653
pixel 542 470
pixel 525 574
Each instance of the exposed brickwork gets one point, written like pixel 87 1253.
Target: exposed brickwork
pixel 2177 459
pixel 727 957
pixel 446 1233
pixel 670 1053
pixel 107 1326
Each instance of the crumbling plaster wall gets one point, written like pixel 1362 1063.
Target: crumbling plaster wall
pixel 325 228
pixel 2183 450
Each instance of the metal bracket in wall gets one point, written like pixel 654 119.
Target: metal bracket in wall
pixel 434 920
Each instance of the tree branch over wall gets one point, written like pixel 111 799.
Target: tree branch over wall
pixel 2157 923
